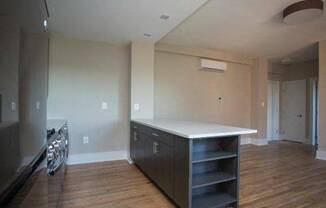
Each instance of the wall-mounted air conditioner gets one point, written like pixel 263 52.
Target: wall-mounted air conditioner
pixel 212 65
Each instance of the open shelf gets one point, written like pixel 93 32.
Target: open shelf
pixel 211 178
pixel 214 170
pixel 209 156
pixel 212 200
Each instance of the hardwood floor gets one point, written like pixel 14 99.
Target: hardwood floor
pixel 110 184
pixel 277 175
pixel 282 175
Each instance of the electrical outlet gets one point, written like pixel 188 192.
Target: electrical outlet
pixel 136 107
pixel 85 139
pixel 104 106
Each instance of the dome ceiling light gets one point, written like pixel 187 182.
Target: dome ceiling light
pixel 303 11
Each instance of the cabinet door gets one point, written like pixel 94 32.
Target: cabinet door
pixel 139 149
pixel 149 159
pixel 164 165
pixel 133 134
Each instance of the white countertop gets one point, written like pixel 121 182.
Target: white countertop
pixel 194 129
pixel 56 124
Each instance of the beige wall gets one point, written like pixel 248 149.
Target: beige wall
pixel 322 96
pixel 84 74
pixel 182 91
pixel 259 97
pixel 142 80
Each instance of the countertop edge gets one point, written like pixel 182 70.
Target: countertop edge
pixel 198 136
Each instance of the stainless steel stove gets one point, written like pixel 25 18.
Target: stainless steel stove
pixel 57 150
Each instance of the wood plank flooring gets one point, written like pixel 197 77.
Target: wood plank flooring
pixel 277 175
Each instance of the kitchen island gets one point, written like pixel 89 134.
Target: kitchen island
pixel 195 164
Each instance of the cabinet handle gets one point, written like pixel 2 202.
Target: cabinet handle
pixel 155 147
pixel 135 127
pixel 156 135
pixel 135 137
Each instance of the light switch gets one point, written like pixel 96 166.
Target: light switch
pixel 85 139
pixel 136 107
pixel 263 104
pixel 104 106
pixel 38 105
pixel 13 107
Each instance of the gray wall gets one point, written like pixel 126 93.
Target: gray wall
pixel 82 75
pixel 33 90
pixel 182 91
pixel 9 68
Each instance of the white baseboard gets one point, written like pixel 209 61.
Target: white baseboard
pixel 259 142
pixel 254 141
pixel 245 141
pixel 321 155
pixel 97 157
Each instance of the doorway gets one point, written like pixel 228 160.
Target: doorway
pixel 273 101
pixel 293 101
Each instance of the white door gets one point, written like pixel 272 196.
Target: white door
pixel 273 110
pixel 293 111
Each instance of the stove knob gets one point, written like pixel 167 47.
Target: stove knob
pixel 50 156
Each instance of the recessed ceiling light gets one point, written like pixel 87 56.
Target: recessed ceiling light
pixel 147 35
pixel 164 17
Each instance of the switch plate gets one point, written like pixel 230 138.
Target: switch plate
pixel 136 107
pixel 85 139
pixel 13 107
pixel 38 105
pixel 104 106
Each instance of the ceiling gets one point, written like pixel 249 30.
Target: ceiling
pixel 251 27
pixel 118 21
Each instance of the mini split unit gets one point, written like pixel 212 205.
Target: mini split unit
pixel 212 65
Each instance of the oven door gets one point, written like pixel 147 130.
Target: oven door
pixel 41 189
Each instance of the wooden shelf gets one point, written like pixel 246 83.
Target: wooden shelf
pixel 207 179
pixel 212 200
pixel 209 156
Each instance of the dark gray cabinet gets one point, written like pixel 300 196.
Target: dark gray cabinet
pixel 191 172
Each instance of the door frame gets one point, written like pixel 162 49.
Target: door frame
pixel 314 104
pixel 274 118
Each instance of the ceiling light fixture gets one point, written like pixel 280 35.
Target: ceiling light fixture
pixel 164 17
pixel 303 11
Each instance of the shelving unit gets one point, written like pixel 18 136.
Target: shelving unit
pixel 211 178
pixel 209 156
pixel 211 200
pixel 192 172
pixel 215 174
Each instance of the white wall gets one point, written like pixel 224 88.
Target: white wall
pixel 82 75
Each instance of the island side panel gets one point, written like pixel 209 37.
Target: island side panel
pixel 238 170
pixel 182 174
